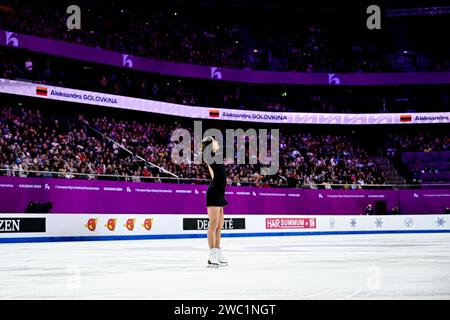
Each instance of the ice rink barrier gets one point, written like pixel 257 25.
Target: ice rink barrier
pixel 92 227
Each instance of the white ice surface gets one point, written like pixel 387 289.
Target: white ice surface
pixel 396 266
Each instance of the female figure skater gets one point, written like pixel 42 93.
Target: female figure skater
pixel 215 202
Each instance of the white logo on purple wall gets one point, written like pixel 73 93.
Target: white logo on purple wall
pixel 215 73
pixel 408 222
pixel 379 222
pixel 127 62
pixel 333 79
pixel 332 222
pixel 440 222
pixel 11 40
pixel 416 195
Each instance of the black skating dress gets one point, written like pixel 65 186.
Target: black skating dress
pixel 215 195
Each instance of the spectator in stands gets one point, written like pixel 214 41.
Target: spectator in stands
pixel 368 211
pixel 395 210
pixel 416 176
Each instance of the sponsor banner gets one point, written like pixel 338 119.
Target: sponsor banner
pixel 84 225
pixel 346 223
pixel 202 224
pixel 413 201
pixel 96 55
pixel 290 223
pixel 370 118
pixel 99 99
pixel 105 197
pixel 114 101
pixel 22 224
pixel 114 197
pixel 121 224
pixel 343 202
pixel 61 227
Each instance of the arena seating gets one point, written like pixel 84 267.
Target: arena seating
pixel 172 35
pixel 62 146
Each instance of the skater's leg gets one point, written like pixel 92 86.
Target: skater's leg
pixel 214 217
pixel 223 261
pixel 219 228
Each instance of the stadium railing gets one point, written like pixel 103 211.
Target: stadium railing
pixel 282 184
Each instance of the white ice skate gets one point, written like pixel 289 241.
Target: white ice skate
pixel 222 260
pixel 213 260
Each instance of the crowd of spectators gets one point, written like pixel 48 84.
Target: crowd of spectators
pixel 310 50
pixel 170 35
pixel 33 140
pixel 327 159
pixel 159 34
pixel 420 142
